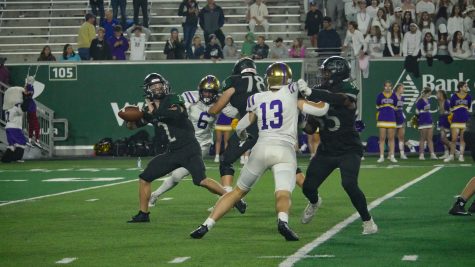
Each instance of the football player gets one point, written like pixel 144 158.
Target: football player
pixel 275 113
pixel 197 103
pixel 237 88
pixel 167 113
pixel 340 142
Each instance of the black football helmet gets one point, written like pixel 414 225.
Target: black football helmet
pixel 335 69
pixel 155 86
pixel 208 89
pixel 244 65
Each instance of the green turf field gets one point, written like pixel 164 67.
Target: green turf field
pixel 89 225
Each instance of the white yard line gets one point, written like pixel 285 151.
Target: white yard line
pixel 302 252
pixel 66 260
pixel 179 260
pixel 65 192
pixel 410 258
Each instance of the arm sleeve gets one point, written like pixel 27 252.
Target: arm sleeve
pixel 311 110
pixel 325 96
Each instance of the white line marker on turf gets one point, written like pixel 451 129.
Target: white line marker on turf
pixel 341 225
pixel 18 180
pixel 66 260
pixel 92 200
pixel 66 192
pixel 166 198
pixel 88 170
pixel 306 256
pixel 409 258
pixel 40 170
pixel 179 260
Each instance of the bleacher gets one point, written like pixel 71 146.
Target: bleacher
pixel 27 25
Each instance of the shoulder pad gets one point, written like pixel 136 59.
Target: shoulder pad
pixel 191 97
pixel 175 99
pixel 227 83
pixel 350 89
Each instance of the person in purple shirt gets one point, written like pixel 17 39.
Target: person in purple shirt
pixel 460 104
pixel 32 118
pixel 444 124
pixel 400 118
pixel 386 120
pixel 118 44
pixel 424 121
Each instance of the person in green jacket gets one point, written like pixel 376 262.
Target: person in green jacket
pixel 249 43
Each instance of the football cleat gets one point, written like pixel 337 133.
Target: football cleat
pixel 310 211
pixel 369 227
pixel 286 232
pixel 241 206
pixel 152 201
pixel 141 217
pixel 199 232
pixel 472 207
pixel 458 209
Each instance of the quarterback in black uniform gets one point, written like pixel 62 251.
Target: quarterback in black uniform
pixel 167 113
pixel 340 142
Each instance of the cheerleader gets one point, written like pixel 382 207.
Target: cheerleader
pixel 444 124
pixel 222 132
pixel 425 124
pixel 460 104
pixel 400 118
pixel 386 120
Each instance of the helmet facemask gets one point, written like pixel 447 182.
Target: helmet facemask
pixel 208 96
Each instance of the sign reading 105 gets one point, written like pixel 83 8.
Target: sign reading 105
pixel 63 73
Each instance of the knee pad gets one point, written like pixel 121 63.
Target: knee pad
pixel 179 174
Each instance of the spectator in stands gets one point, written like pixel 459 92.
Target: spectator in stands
pixel 4 72
pixel 213 49
pixel 141 4
pixel 319 3
pixel 122 4
pixel 429 48
pixel 197 50
pixel 443 3
pixel 363 20
pixel 230 50
pixel 375 42
pixel 108 24
pixel 138 41
pixel 211 21
pixel 335 10
pixel 455 22
pixel 410 49
pixel 441 17
pixel 469 24
pixel 144 30
pixel 68 54
pixel 459 47
pixel 189 10
pixel 408 5
pixel 174 47
pixel 426 24
pixel 46 55
pixel 354 40
pixel 279 51
pixel 406 22
pixel 388 7
pixel 97 8
pixel 100 49
pixel 297 50
pixel 118 44
pixel 87 33
pixel 313 23
pixel 393 41
pixel 247 45
pixel 425 6
pixel 328 39
pixel 397 16
pixel 261 49
pixel 381 21
pixel 373 9
pixel 443 43
pixel 258 15
pixel 351 9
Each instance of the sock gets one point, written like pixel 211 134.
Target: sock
pixel 461 202
pixel 228 188
pixel 209 223
pixel 462 149
pixel 166 185
pixel 283 216
pixel 401 148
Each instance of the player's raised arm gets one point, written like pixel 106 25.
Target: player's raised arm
pixel 243 123
pixel 223 100
pixel 311 108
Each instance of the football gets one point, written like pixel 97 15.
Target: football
pixel 130 113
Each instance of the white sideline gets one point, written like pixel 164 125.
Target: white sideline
pixel 65 192
pixel 302 252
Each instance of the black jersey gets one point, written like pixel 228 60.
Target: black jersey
pixel 171 123
pixel 337 128
pixel 244 86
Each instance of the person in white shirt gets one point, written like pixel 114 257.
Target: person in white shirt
pixel 426 24
pixel 375 42
pixel 388 7
pixel 459 48
pixel 455 22
pixel 373 8
pixel 258 15
pixel 425 6
pixel 381 21
pixel 137 44
pixel 354 40
pixel 429 48
pixel 394 40
pixel 363 19
pixel 410 49
pixel 351 9
pixel 276 112
pixel 469 23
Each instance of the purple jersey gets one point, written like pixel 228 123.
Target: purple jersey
pixel 386 106
pixel 400 117
pixel 459 107
pixel 32 103
pixel 444 113
pixel 423 110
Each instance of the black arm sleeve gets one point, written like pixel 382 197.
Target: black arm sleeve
pixel 165 113
pixel 328 97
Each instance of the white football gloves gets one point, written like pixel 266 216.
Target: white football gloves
pixel 303 87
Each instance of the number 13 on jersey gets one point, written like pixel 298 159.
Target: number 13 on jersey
pixel 276 107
